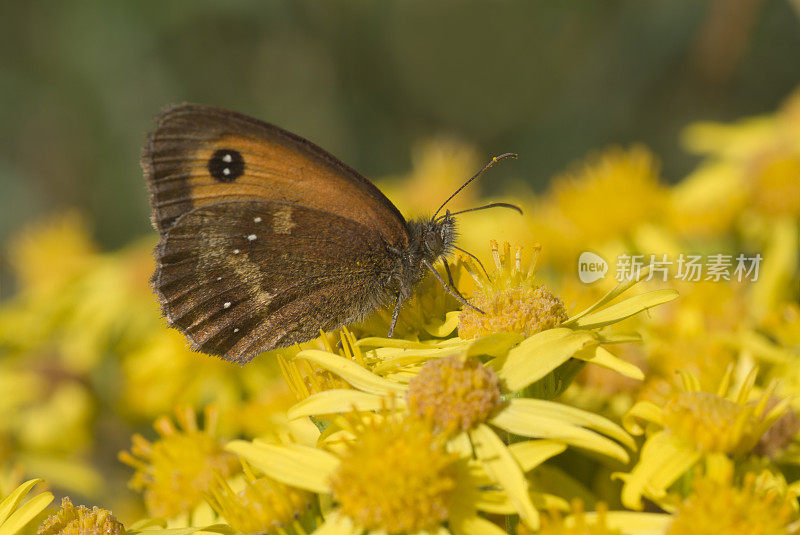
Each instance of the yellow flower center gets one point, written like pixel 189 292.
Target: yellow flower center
pixel 523 310
pixel 776 189
pixel 81 520
pixel 264 506
pixel 710 422
pixel 454 393
pixel 395 476
pixel 717 508
pixel 178 469
pixel 610 193
pixel 509 299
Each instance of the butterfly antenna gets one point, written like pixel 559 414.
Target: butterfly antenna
pixel 484 207
pixel 476 175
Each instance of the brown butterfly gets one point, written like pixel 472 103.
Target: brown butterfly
pixel 266 238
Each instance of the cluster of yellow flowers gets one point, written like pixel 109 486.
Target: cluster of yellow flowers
pixel 644 401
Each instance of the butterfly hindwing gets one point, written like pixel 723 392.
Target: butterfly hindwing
pixel 241 277
pixel 202 155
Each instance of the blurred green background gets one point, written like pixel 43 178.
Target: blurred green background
pixel 81 81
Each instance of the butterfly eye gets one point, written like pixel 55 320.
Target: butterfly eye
pixel 433 242
pixel 226 165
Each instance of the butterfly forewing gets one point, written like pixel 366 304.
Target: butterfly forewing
pixel 241 277
pixel 202 155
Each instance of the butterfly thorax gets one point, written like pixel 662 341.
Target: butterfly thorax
pixel 429 240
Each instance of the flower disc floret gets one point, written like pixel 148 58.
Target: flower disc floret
pixel 395 476
pixel 454 393
pixel 508 299
pixel 707 420
pixel 71 520
pixel 264 506
pixel 716 507
pixel 175 471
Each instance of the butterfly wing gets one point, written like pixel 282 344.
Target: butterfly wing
pixel 201 155
pixel 241 277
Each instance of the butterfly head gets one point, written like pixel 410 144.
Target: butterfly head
pixel 432 239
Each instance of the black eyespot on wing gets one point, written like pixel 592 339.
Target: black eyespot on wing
pixel 226 165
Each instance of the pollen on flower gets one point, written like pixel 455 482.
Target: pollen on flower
pixel 395 476
pixel 263 506
pixel 710 422
pixel 717 506
pixel 177 469
pixel 454 393
pixel 509 299
pixel 71 520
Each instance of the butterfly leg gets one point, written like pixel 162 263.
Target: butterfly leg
pixel 395 314
pixel 450 290
pixel 450 278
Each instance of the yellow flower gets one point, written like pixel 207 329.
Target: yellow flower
pixel 15 515
pixel 758 156
pixel 604 199
pixel 393 474
pixel 694 425
pixel 470 387
pixel 81 520
pixel 717 506
pixel 509 300
pixel 175 471
pixel 262 506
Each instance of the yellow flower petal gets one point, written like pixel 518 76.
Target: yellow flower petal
pixel 644 411
pixel 504 470
pixel 223 529
pixel 603 357
pixel 337 524
pixel 298 466
pixel 441 327
pixel 351 372
pixel 532 453
pixel 376 341
pixel 474 525
pixel 612 294
pixel 540 354
pixel 338 401
pixel 624 309
pixel 493 345
pixel 663 460
pixel 10 503
pixel 628 522
pixel 14 518
pixel 539 418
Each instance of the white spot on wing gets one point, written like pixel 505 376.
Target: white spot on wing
pixel 251 237
pixel 227 158
pixel 236 330
pixel 256 220
pixel 226 171
pixel 236 251
pixel 227 304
